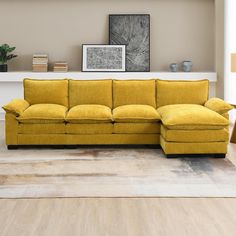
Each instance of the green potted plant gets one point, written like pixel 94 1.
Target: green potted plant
pixel 5 55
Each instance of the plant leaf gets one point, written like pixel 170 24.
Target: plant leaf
pixel 4 50
pixel 9 57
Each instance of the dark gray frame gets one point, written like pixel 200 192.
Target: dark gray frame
pixel 110 42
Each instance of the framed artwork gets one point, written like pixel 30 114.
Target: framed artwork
pixel 103 58
pixel 132 30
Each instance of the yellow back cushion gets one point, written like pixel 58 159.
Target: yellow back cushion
pixel 90 92
pixel 126 92
pixel 46 91
pixel 182 92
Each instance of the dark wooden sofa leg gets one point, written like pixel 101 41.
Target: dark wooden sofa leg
pixel 220 155
pixel 12 147
pixel 172 155
pixel 69 146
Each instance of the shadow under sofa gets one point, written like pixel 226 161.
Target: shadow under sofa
pixel 175 114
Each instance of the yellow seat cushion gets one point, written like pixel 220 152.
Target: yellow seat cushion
pixel 46 91
pixel 135 113
pixel 191 136
pixel 182 92
pixel 126 92
pixel 83 92
pixel 137 128
pixel 89 114
pixel 43 113
pixel 218 105
pixel 102 128
pixel 190 116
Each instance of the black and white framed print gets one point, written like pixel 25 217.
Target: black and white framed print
pixel 132 30
pixel 103 58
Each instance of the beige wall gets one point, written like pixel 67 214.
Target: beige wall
pixel 180 29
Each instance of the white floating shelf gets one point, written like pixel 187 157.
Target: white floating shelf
pixel 19 76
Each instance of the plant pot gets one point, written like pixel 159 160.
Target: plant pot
pixel 174 67
pixel 187 66
pixel 3 68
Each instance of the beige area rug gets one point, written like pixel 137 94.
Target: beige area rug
pixel 111 172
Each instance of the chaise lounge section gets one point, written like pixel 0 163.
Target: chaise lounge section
pixel 191 124
pixel 175 114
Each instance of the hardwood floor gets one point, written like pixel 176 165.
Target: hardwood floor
pixel 118 217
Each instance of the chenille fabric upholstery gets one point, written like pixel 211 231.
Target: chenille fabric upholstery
pixel 42 128
pixel 191 136
pixel 191 116
pixel 46 91
pixel 193 148
pixel 175 114
pixel 16 106
pixel 11 129
pixel 82 92
pixel 218 105
pixel 86 139
pixel 135 113
pixel 128 92
pixel 43 113
pixel 89 114
pixel 96 128
pixel 226 115
pixel 137 128
pixel 182 92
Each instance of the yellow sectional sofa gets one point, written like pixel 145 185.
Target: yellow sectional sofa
pixel 175 114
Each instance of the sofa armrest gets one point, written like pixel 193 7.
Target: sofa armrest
pixel 11 129
pixel 218 105
pixel 16 106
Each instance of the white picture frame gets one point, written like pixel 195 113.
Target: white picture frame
pixel 103 58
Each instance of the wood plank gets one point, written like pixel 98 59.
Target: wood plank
pixel 118 217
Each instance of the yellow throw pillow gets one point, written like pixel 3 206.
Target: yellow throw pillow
pixel 127 92
pixel 90 92
pixel 218 105
pixel 182 92
pixel 46 91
